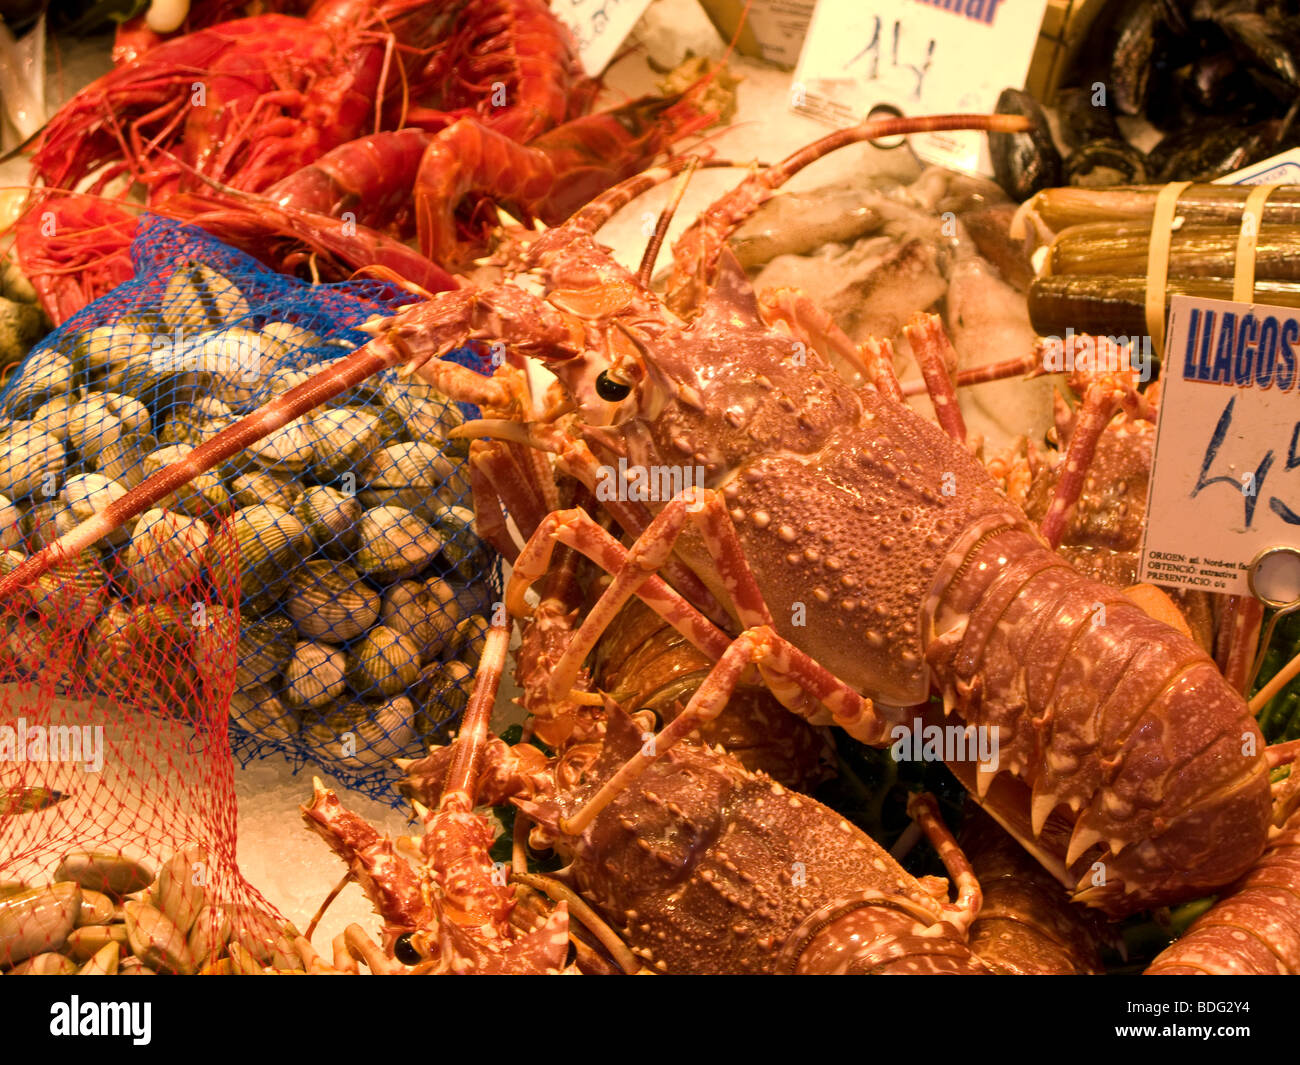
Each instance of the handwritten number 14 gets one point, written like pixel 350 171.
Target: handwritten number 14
pixel 1250 490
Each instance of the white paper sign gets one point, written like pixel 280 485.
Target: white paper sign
pixel 1225 476
pixel 1281 169
pixel 599 26
pixel 923 57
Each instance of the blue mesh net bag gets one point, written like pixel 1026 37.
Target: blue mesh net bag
pixel 325 589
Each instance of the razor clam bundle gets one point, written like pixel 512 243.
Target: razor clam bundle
pixel 327 583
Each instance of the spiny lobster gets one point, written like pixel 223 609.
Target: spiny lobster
pixel 1130 769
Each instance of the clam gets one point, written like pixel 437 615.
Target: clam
pixel 287 448
pixel 427 413
pixel 11 533
pixel 155 939
pixel 96 908
pixel 104 962
pixel 240 362
pixel 92 425
pixel 179 891
pixel 329 601
pixel 342 441
pixel 36 921
pixel 461 546
pixel 50 963
pixel 41 377
pixel 44 523
pixel 383 662
pixel 71 594
pixel 316 674
pixel 30 460
pixel 266 540
pixel 394 543
pixel 52 416
pixel 211 932
pixel 123 461
pixel 84 943
pixel 263 486
pixel 216 630
pixel 255 709
pixel 200 497
pixel 86 495
pixel 166 553
pixel 363 735
pixel 442 693
pixel 267 940
pixel 263 650
pixel 471 635
pixel 424 612
pixel 413 464
pixel 108 872
pixel 133 414
pixel 114 345
pixel 198 297
pixel 330 517
pixel 286 338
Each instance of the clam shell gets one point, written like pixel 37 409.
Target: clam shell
pixel 44 375
pixel 44 523
pixel 471 636
pixel 197 297
pixel 342 441
pixel 166 553
pixel 123 461
pixel 50 963
pixel 426 412
pixel 461 546
pixel 287 448
pixel 255 709
pixel 363 735
pixel 263 649
pixel 108 345
pixel 72 593
pixel 108 872
pixel 423 612
pixel 285 338
pixel 86 495
pixel 52 416
pixel 36 921
pixel 133 414
pixel 210 933
pixel 91 425
pixel 329 601
pixel 96 908
pixel 413 464
pixel 156 940
pixel 38 648
pixel 265 938
pixel 259 486
pixel 241 372
pixel 104 962
pixel 330 517
pixel 395 543
pixel 215 634
pixel 316 674
pixel 179 891
pixel 201 497
pixel 11 533
pixel 442 693
pixel 84 943
pixel 383 662
pixel 30 461
pixel 266 538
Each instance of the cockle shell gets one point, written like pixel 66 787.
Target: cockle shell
pixel 316 674
pixel 263 486
pixel 342 441
pixel 285 338
pixel 461 545
pixel 241 367
pixel 442 693
pixel 71 594
pixel 395 543
pixel 330 517
pixel 329 601
pixel 52 416
pixel 29 460
pixel 123 461
pixel 198 297
pixel 255 709
pixel 289 448
pixel 383 662
pixel 166 553
pixel 215 632
pixel 203 496
pixel 92 426
pixel 426 412
pixel 87 494
pixel 411 464
pixel 107 345
pixel 265 538
pixel 423 612
pixel 362 735
pixel 133 414
pixel 263 650
pixel 471 637
pixel 43 376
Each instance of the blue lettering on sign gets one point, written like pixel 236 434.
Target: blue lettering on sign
pixel 1245 351
pixel 976 10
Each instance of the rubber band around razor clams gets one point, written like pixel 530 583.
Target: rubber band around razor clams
pixel 1252 216
pixel 1162 229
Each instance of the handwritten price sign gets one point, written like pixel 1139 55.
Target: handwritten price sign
pixel 923 57
pixel 1225 479
pixel 599 27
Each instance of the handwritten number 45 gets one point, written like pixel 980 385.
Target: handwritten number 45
pixel 1253 482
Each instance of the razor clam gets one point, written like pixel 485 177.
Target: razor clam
pixel 330 602
pixel 166 553
pixel 84 496
pixel 255 709
pixel 108 872
pixel 263 650
pixel 156 940
pixel 383 662
pixel 395 543
pixel 96 908
pixel 268 941
pixel 363 735
pixel 43 376
pixel 330 517
pixel 197 297
pixel 316 674
pixel 37 920
pixel 423 612
pixel 29 460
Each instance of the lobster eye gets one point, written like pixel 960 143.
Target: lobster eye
pixel 404 950
pixel 610 389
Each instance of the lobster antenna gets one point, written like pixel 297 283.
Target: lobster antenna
pixel 661 226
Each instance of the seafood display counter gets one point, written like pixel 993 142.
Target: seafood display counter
pixel 461 515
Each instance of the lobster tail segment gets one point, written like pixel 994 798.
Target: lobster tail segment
pixel 1136 772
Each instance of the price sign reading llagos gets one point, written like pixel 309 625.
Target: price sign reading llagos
pixel 1225 476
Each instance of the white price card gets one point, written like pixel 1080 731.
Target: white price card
pixel 599 26
pixel 1225 475
pixel 923 57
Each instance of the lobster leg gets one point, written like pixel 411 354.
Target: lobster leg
pixel 934 354
pixel 962 913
